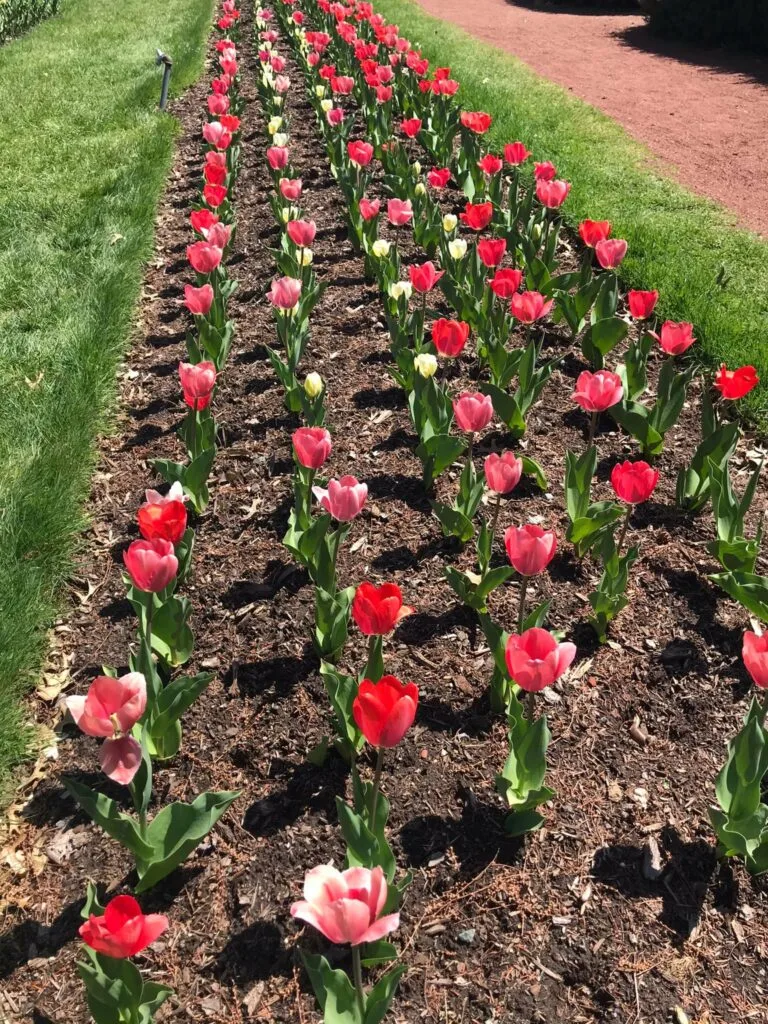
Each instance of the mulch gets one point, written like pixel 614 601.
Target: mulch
pixel 581 922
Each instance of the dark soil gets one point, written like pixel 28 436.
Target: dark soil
pixel 564 926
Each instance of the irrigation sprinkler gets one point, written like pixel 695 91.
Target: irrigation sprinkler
pixel 165 60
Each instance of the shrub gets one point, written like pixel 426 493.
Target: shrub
pixel 741 23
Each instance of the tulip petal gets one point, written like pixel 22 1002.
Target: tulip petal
pixel 120 759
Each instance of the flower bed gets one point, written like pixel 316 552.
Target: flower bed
pixel 491 925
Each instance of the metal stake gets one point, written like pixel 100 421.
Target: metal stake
pixel 165 60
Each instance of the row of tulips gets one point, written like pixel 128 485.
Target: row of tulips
pixel 138 715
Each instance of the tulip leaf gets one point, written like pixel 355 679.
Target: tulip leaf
pixel 112 985
pixel 381 995
pixel 748 589
pixel 718 444
pixel 532 468
pixel 601 337
pixel 332 621
pixel 506 408
pixel 453 522
pixel 172 637
pixel 105 812
pixel 334 991
pixel 91 904
pixel 174 700
pixel 380 952
pixel 537 618
pixel 437 453
pixel 364 847
pixel 175 832
pixel 342 690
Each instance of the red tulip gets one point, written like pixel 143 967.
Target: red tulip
pixel 202 219
pixel 218 103
pixel 360 153
pixel 490 164
pixel 377 610
pixel 383 93
pixel 610 252
pixel 122 930
pixel 439 177
pixel 369 208
pixel 535 659
pixel 477 122
pixel 163 516
pixel 425 277
pixel 544 171
pixel 215 134
pixel 530 548
pixel 399 211
pixel 596 392
pixel 634 482
pixel 342 84
pixel 491 251
pixel 552 194
pixel 204 257
pixel 346 906
pixel 505 283
pixel 230 122
pixel 676 338
pixel 214 173
pixel 214 195
pixel 473 411
pixel 220 86
pixel 218 234
pixel 385 711
pixel 515 153
pixel 335 116
pixel 312 446
pixel 198 300
pixel 502 472
pixel 277 157
pixel 477 216
pixel 110 710
pixel 285 292
pixel 301 232
pixel 449 336
pixel 734 384
pixel 290 189
pixel 411 127
pixel 642 304
pixel 593 231
pixel 528 307
pixel 754 652
pixel 343 498
pixel 151 564
pixel 197 383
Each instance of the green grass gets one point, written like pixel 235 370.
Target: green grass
pixel 677 241
pixel 83 157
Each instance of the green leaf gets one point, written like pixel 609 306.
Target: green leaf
pixel 105 812
pixel 92 904
pixel 579 472
pixel 112 987
pixel 506 408
pixel 532 468
pixel 342 690
pixel 380 952
pixel 453 522
pixel 748 589
pixel 172 638
pixel 437 453
pixel 381 995
pixel 334 991
pixel 173 701
pixel 601 337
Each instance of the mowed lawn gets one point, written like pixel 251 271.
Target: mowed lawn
pixel 83 156
pixel 678 243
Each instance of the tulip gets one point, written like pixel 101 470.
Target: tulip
pixel 449 336
pixel 151 564
pixel 285 293
pixel 633 483
pixel 313 385
pixel 676 338
pixel 473 411
pixel 425 364
pixel 490 164
pixel 381 248
pixel 530 548
pixel 457 248
pixel 230 122
pixel 197 382
pixel 383 93
pixel 216 135
pixel 477 122
pixel 399 212
pixel 277 157
pixel 552 194
pixel 439 177
pixel 282 83
pixel 411 127
pixel 360 153
pixel 346 906
pixel 163 516
pixel 343 498
pixel 290 189
pixel 505 283
pixel 122 930
pixel 642 304
pixel 312 446
pixel 369 208
pixel 214 195
pixel 218 234
pixel 202 219
pixel 535 660
pixel 596 392
pixel 377 610
pixel 215 174
pixel 754 652
pixel 342 84
pixel 450 222
pixel 301 232
pixel 734 384
pixel 477 216
pixel 610 252
pixel 401 290
pixel 384 711
pixel 515 153
pixel 204 257
pixel 218 103
pixel 544 171
pixel 198 300
pixel 334 116
pixel 424 277
pixel 491 251
pixel 502 472
pixel 110 709
pixel 528 307
pixel 593 231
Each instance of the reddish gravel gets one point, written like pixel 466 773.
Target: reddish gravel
pixel 701 111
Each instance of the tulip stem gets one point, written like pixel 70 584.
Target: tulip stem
pixel 623 533
pixel 521 606
pixel 494 522
pixel 357 972
pixel 376 788
pixel 150 613
pixel 592 429
pixel 531 705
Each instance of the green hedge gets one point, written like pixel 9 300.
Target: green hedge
pixel 740 23
pixel 18 16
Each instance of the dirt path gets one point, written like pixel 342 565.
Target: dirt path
pixel 699 110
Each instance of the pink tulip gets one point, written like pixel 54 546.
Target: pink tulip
pixel 634 482
pixel 502 472
pixel 285 292
pixel 110 708
pixel 399 212
pixel 473 411
pixel 301 232
pixel 345 906
pixel 676 338
pixel 197 382
pixel 312 446
pixel 343 498
pixel 610 252
pixel 217 104
pixel 535 659
pixel 218 234
pixel 198 300
pixel 282 83
pixel 530 548
pixel 151 564
pixel 596 392
pixel 552 194
pixel 544 171
pixel 204 257
pixel 215 134
pixel 277 157
pixel 528 307
pixel 335 117
pixel 290 189
pixel 754 652
pixel 369 208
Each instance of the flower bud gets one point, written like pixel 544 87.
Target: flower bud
pixel 536 232
pixel 280 139
pixel 426 364
pixel 326 105
pixel 380 248
pixel 457 248
pixel 416 168
pixel 401 290
pixel 419 188
pixel 313 385
pixel 306 257
pixel 319 91
pixel 274 124
pixel 450 222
